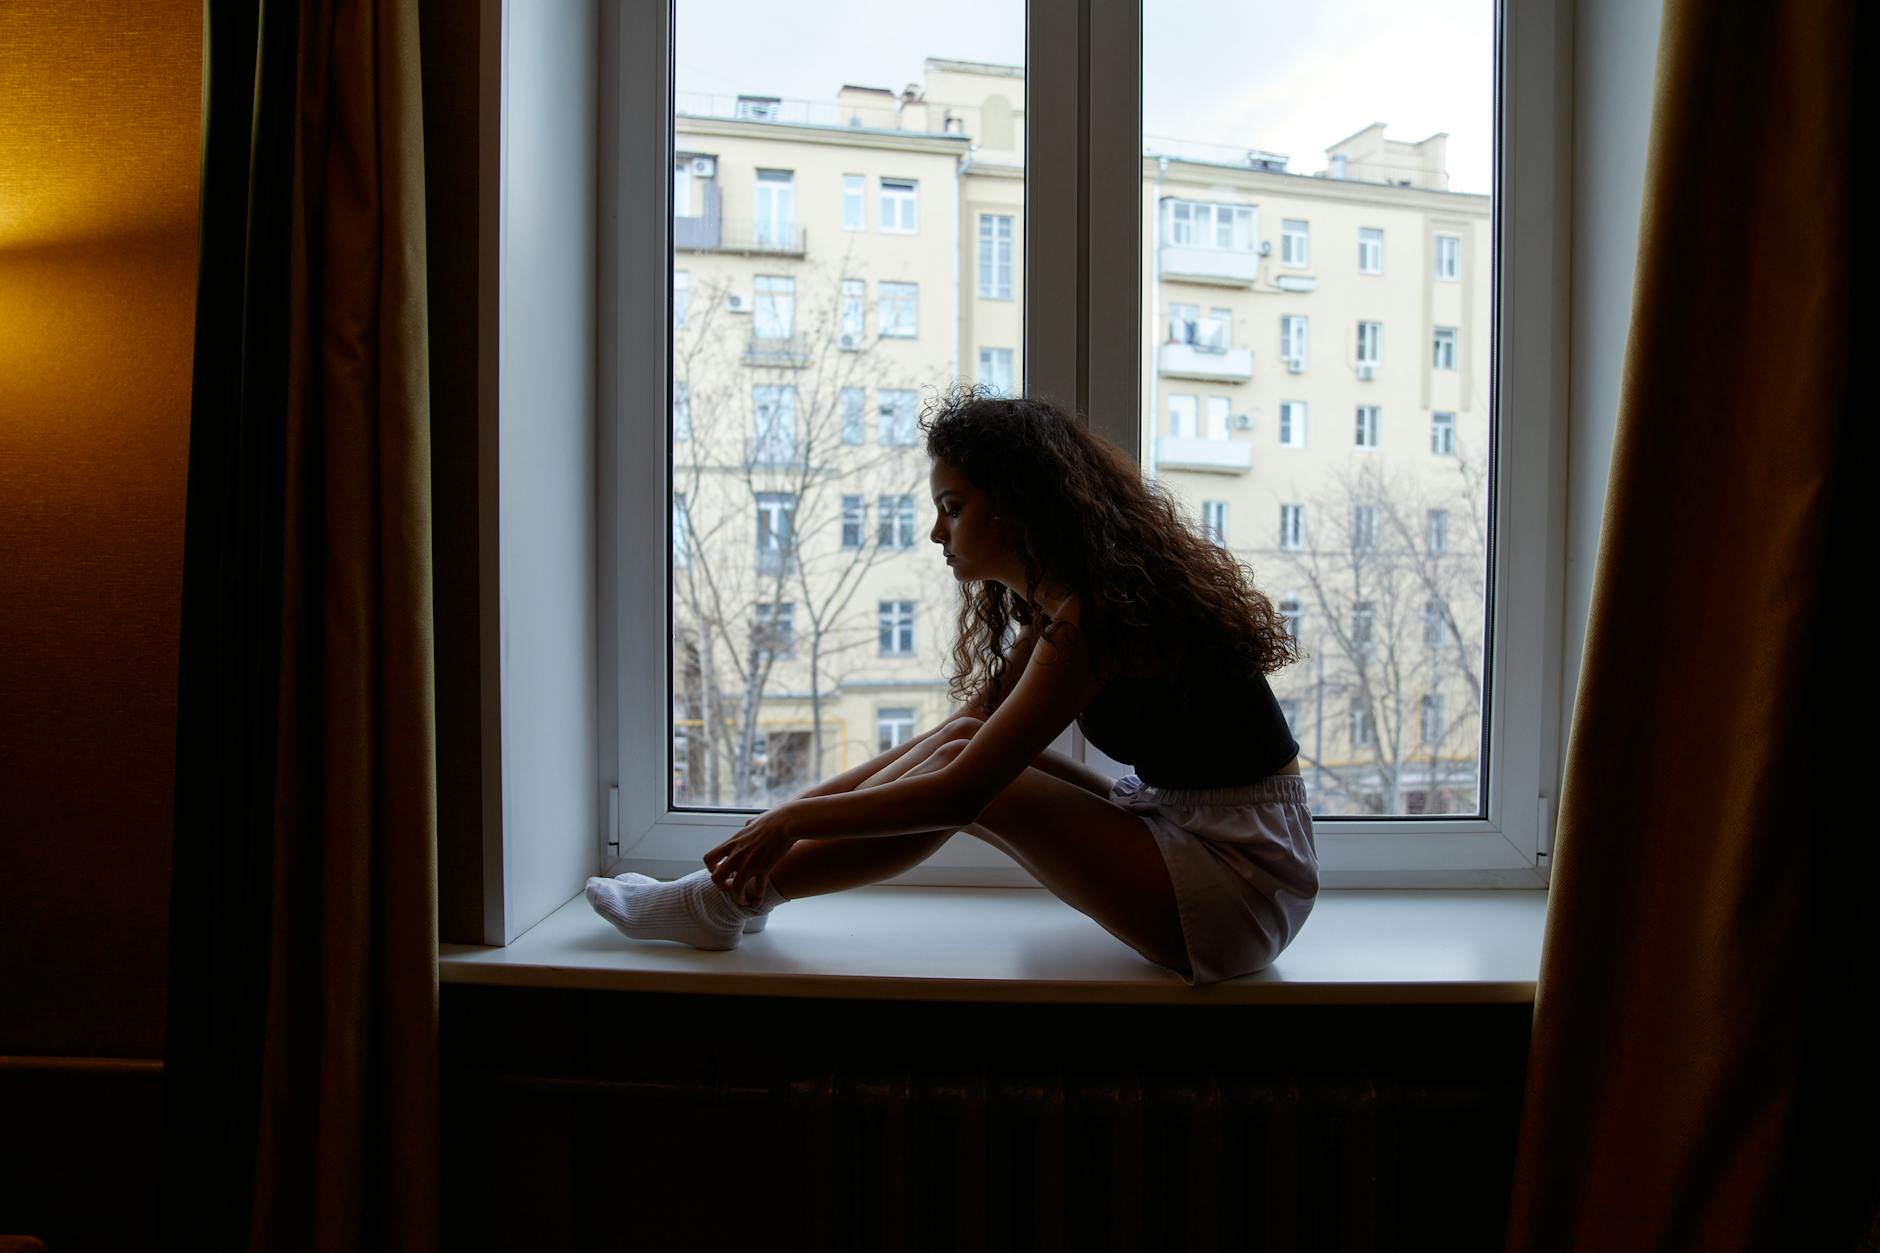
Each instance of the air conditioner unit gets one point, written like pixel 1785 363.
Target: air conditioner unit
pixel 1295 365
pixel 735 303
pixel 1266 247
pixel 704 167
pixel 1366 371
pixel 851 341
pixel 1243 422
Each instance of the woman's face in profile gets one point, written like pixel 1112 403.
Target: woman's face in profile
pixel 964 527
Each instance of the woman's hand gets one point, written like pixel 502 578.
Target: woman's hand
pixel 742 864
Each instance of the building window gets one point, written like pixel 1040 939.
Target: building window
pixel 854 212
pixel 774 314
pixel 773 423
pixel 1431 719
pixel 897 414
pixel 681 294
pixel 1443 434
pixel 995 369
pixel 1361 731
pixel 898 211
pixel 774 631
pixel 1367 426
pixel 1214 521
pixel 681 411
pixel 1370 250
pixel 1218 409
pixel 1289 709
pixel 1448 257
pixel 893 728
pixel 1294 241
pixel 681 524
pixel 1363 527
pixel 776 532
pixel 995 256
pixel 1289 612
pixel 896 309
pixel 774 219
pixel 895 522
pixel 852 522
pixel 854 401
pixel 1197 224
pixel 1184 323
pixel 1370 343
pixel 1434 628
pixel 854 301
pixel 1436 531
pixel 1292 423
pixel 1182 411
pixel 1292 527
pixel 1363 626
pixel 1216 331
pixel 1292 341
pixel 896 623
pixel 1443 349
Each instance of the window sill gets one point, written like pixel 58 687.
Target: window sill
pixel 1022 944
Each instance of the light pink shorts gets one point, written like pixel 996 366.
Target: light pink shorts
pixel 1243 863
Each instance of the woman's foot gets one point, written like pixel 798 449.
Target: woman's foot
pixel 751 926
pixel 692 910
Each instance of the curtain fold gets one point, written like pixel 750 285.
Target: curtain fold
pixel 300 1089
pixel 1690 1051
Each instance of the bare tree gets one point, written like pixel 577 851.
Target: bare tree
pixel 773 439
pixel 1392 615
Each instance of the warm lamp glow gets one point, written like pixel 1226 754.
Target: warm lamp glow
pixel 99 115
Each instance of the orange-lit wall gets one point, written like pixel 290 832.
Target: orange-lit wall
pixel 99 144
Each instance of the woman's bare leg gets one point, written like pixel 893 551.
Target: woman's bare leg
pixel 818 867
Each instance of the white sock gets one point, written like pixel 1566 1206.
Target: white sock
pixel 757 922
pixel 692 910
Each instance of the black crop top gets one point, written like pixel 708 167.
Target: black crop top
pixel 1231 733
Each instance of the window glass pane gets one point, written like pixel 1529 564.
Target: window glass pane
pixel 827 287
pixel 1372 236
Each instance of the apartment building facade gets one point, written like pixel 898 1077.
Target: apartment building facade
pixel 1316 375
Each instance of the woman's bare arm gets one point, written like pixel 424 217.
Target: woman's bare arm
pixel 848 780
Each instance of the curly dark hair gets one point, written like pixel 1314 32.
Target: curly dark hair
pixel 1154 593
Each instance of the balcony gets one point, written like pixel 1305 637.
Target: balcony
pixel 1225 267
pixel 788 351
pixel 1205 360
pixel 763 238
pixel 1211 456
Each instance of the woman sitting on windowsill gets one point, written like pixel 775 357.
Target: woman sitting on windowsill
pixel 1151 638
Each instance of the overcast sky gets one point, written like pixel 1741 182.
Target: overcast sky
pixel 1285 77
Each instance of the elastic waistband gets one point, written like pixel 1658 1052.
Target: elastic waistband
pixel 1277 787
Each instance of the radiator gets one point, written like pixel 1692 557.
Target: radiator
pixel 1082 1162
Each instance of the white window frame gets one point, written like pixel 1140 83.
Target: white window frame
pixel 1367 426
pixel 1448 258
pixel 854 202
pixel 1524 729
pixel 897 310
pixel 1443 348
pixel 773 306
pixel 1436 532
pixel 681 297
pixel 900 206
pixel 854 521
pixel 995 369
pixel 1214 521
pixel 1442 433
pixel 852 331
pixel 896 619
pixel 852 415
pixel 895 523
pixel 1295 243
pixel 1292 527
pixel 1370 250
pixel 1184 415
pixel 894 726
pixel 1292 423
pixel 897 412
pixel 995 256
pixel 1373 342
pixel 1293 338
pixel 681 411
pixel 1219 413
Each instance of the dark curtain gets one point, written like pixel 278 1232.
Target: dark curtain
pixel 300 1076
pixel 1701 1069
